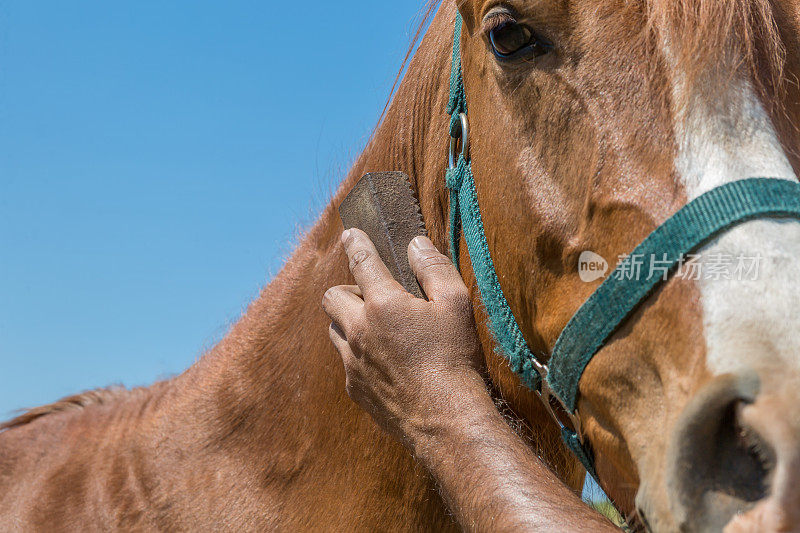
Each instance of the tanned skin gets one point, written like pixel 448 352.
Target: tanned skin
pixel 415 367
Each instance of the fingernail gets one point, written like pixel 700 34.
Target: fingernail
pixel 423 243
pixel 345 235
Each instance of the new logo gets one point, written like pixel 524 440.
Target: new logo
pixel 591 267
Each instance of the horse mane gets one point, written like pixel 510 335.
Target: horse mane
pixel 85 399
pixel 427 14
pixel 701 32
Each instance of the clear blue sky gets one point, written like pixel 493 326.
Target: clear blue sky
pixel 156 162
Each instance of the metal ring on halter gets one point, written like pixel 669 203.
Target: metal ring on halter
pixel 546 395
pixel 464 142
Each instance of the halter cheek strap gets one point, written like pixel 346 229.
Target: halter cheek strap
pixel 619 295
pixel 465 214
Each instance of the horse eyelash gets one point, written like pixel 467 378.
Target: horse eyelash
pixel 495 20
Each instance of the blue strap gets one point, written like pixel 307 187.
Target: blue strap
pixel 457 103
pixel 465 214
pixel 573 442
pixel 506 331
pixel 619 295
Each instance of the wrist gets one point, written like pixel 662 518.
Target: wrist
pixel 461 412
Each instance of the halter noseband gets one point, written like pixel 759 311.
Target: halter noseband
pixel 618 296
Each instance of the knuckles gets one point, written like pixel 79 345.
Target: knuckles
pixel 356 337
pixel 381 305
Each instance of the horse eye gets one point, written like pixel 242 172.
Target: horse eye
pixel 510 39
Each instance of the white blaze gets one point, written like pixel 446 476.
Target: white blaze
pixel 748 323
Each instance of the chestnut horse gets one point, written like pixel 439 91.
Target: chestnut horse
pixel 592 122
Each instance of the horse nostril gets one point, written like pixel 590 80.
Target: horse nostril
pixel 717 466
pixel 746 459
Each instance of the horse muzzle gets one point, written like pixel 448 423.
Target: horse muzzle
pixel 733 459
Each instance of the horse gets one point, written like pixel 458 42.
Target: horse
pixel 591 123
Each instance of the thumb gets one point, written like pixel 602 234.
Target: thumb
pixel 437 275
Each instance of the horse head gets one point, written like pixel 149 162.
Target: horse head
pixel 591 123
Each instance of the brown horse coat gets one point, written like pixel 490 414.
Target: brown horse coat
pixel 259 434
pixel 638 107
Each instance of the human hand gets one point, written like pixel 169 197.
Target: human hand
pixel 414 365
pixel 408 361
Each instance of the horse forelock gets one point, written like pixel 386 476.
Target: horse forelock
pixel 704 33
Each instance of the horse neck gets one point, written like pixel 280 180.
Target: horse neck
pixel 279 354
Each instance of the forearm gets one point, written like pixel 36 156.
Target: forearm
pixel 490 479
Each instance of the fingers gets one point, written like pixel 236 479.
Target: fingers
pixel 340 343
pixel 352 289
pixel 365 263
pixel 436 273
pixel 355 289
pixel 343 305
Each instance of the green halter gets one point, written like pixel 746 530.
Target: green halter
pixel 619 295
